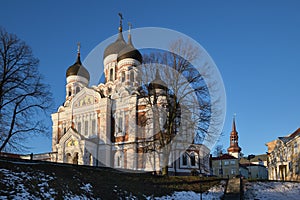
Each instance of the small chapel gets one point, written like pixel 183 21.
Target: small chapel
pixel 98 125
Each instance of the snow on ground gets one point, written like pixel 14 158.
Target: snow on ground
pixel 272 190
pixel 18 185
pixel 214 193
pixel 15 188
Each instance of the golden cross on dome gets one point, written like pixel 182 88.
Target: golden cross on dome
pixel 121 18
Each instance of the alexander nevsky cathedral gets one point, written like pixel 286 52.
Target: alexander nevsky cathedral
pixel 100 125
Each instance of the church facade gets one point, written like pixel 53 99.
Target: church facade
pixel 101 124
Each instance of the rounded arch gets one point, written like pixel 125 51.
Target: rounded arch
pixel 111 74
pixel 75 158
pixel 77 89
pixel 68 158
pixel 131 77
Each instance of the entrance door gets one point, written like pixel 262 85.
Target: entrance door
pixel 75 159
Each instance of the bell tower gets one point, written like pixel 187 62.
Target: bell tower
pixel 234 148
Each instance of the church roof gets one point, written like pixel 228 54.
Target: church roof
pixel 257 158
pixel 78 69
pixel 290 137
pixel 115 47
pixel 224 157
pixel 118 45
pixel 157 83
pixel 130 52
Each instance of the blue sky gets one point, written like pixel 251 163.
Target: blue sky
pixel 255 44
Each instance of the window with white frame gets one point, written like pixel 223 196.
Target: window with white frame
pixel 193 159
pixel 94 127
pixel 295 147
pixel 120 127
pixel 123 76
pixel 79 127
pixel 86 128
pixel 226 162
pixel 111 74
pixel 77 89
pixel 184 159
pixel 132 76
pixel 232 162
pixel 233 171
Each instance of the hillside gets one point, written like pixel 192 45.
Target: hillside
pixel 43 180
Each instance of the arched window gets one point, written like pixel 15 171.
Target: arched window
pixel 86 128
pixel 119 161
pixel 94 132
pixel 184 159
pixel 79 127
pixel 75 159
pixel 69 91
pixel 193 159
pixel 111 74
pixel 132 76
pixel 68 158
pixel 77 89
pixel 123 76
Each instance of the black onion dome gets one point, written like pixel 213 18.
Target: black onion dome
pixel 130 52
pixel 157 83
pixel 77 69
pixel 115 47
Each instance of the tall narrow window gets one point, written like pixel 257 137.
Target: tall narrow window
pixel 69 91
pixel 79 127
pixel 184 159
pixel 94 127
pixel 126 127
pixel 77 89
pixel 120 124
pixel 119 161
pixel 132 76
pixel 86 128
pixel 123 76
pixel 295 147
pixel 111 75
pixel 193 159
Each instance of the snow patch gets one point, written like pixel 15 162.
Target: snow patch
pixel 215 193
pixel 272 190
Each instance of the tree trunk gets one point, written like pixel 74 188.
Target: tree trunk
pixel 165 171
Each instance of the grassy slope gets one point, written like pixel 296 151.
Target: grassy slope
pixel 106 183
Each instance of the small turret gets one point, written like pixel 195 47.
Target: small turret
pixel 77 77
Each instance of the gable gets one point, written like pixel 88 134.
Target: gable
pixel 86 97
pixel 71 138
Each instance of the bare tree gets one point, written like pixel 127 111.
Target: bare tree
pixel 219 150
pixel 176 98
pixel 24 98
